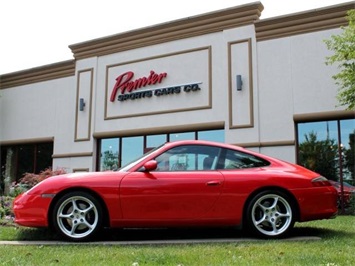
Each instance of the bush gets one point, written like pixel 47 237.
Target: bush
pixel 29 180
pixel 351 208
pixel 6 207
pixel 17 189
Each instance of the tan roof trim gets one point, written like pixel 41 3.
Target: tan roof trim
pixel 303 22
pixel 170 31
pixel 72 155
pixel 37 74
pixel 161 130
pixel 266 144
pixel 26 141
pixel 321 116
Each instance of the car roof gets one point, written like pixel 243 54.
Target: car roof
pixel 203 142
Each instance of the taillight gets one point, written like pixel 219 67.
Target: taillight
pixel 320 181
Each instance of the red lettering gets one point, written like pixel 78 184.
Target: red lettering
pixel 124 83
pixel 120 83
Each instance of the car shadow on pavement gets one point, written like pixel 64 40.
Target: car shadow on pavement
pixel 172 234
pixel 204 234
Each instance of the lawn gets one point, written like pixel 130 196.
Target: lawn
pixel 336 247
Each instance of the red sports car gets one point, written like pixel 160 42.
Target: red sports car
pixel 182 184
pixel 348 192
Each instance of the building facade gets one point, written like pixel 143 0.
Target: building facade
pixel 223 76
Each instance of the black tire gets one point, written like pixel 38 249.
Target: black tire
pixel 270 214
pixel 77 216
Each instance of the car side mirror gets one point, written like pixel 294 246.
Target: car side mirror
pixel 150 165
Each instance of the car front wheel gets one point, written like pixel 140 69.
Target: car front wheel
pixel 77 216
pixel 270 214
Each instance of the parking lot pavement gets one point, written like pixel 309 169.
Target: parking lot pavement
pixel 154 242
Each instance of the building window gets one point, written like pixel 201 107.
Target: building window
pixel 182 136
pixel 327 147
pixel 109 157
pixel 155 141
pixel 132 148
pixel 211 135
pixel 16 160
pixel 115 152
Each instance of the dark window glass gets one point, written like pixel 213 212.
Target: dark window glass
pixel 29 158
pixel 240 160
pixel 8 163
pixel 347 146
pixel 318 147
pixel 3 170
pixel 327 147
pixel 188 158
pixel 25 160
pixel 44 154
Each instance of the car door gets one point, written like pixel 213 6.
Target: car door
pixel 184 186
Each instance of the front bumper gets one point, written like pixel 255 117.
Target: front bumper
pixel 31 210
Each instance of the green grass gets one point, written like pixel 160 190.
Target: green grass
pixel 336 248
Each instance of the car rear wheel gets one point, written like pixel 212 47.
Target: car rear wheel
pixel 77 216
pixel 270 214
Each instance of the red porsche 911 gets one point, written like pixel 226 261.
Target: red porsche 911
pixel 182 184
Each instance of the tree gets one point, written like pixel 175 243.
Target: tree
pixel 350 156
pixel 110 160
pixel 319 155
pixel 343 46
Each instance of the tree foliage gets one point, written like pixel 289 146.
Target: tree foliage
pixel 110 160
pixel 319 155
pixel 343 46
pixel 350 156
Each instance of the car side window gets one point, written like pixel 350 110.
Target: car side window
pixel 239 160
pixel 188 158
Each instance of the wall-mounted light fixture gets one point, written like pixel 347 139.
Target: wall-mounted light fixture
pixel 81 104
pixel 239 82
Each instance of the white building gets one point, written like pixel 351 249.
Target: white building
pixel 126 93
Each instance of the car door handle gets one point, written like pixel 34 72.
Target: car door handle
pixel 214 183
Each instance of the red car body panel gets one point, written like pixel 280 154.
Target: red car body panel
pixel 215 197
pixel 345 195
pixel 169 196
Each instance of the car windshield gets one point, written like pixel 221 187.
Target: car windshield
pixel 129 165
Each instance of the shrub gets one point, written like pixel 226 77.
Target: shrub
pixel 5 206
pixel 17 189
pixel 29 180
pixel 351 208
